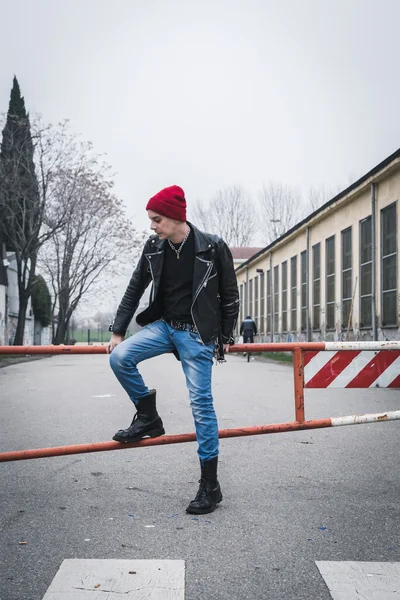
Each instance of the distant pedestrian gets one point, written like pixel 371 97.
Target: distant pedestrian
pixel 248 330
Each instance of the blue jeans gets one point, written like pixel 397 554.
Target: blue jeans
pixel 197 360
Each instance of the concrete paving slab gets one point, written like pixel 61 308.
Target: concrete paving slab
pixel 86 579
pixel 349 580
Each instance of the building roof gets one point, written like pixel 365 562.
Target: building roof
pixel 370 175
pixel 244 253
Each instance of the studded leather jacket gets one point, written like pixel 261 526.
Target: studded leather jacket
pixel 215 303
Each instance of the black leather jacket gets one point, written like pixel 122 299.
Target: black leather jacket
pixel 215 304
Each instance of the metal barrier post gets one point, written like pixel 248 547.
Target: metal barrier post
pixel 298 373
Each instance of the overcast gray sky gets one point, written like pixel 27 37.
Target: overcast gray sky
pixel 211 93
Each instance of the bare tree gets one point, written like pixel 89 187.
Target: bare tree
pixel 230 214
pixel 318 195
pixel 31 155
pixel 103 318
pixel 201 216
pixel 93 244
pixel 281 209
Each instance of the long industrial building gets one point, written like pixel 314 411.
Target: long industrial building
pixel 335 275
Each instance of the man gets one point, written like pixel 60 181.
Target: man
pixel 248 329
pixel 192 312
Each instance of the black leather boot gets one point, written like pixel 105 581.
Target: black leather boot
pixel 146 421
pixel 209 494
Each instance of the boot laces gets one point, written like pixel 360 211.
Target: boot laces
pixel 202 490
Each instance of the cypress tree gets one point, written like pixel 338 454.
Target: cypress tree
pixel 20 204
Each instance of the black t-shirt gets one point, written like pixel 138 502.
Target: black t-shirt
pixel 176 290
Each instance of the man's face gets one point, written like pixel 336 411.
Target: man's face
pixel 164 227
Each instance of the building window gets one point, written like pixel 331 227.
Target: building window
pixel 330 282
pixel 389 266
pixel 251 298
pixel 316 251
pixel 269 300
pixel 293 294
pixel 347 276
pixel 262 301
pixel 256 301
pixel 303 257
pixel 284 296
pixel 276 299
pixel 366 272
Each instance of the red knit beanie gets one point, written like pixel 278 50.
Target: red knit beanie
pixel 169 202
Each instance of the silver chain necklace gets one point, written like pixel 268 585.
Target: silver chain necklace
pixel 179 250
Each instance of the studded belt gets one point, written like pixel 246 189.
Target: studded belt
pixel 182 326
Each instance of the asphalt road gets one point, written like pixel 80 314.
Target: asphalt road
pixel 290 499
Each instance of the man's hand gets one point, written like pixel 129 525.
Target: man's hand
pixel 116 339
pixel 226 348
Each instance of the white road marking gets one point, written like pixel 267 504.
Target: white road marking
pixel 89 579
pixel 367 580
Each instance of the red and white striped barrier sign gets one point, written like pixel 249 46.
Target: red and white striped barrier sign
pixel 355 368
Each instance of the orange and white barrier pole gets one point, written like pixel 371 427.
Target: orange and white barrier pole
pixel 316 365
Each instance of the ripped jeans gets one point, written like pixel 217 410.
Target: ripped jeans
pixel 197 360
